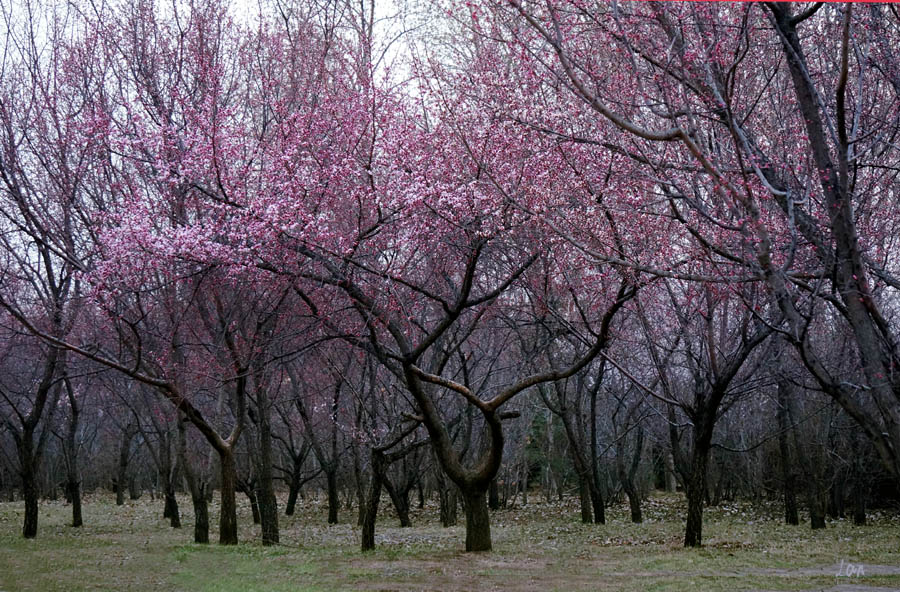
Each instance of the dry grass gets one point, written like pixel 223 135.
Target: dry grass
pixel 539 547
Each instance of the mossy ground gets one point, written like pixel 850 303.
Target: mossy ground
pixel 542 546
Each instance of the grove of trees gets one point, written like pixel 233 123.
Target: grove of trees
pixel 464 250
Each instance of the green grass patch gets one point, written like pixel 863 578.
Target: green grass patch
pixel 539 547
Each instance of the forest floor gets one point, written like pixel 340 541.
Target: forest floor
pixel 541 546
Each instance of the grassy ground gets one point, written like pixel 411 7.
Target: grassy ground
pixel 538 547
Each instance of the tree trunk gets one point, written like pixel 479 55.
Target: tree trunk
pixel 400 499
pixel 859 504
pixel 816 512
pixel 249 489
pixel 478 521
pixel 268 503
pixel 626 475
pixel 333 499
pixel 201 516
pixel 634 503
pixel 73 490
pixel 371 506
pixel 671 481
pixel 172 506
pixel 30 495
pixel 446 498
pixel 196 486
pixel 791 514
pixel 228 531
pixel 293 492
pixel 587 516
pixel 493 495
pixel 447 493
pixel 817 502
pixel 134 489
pixel 696 485
pixel 597 502
pixel 420 491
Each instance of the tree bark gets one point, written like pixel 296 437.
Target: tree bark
pixel 228 530
pixel 791 514
pixel 696 483
pixel 671 481
pixel 30 496
pixel 478 520
pixel 627 473
pixel 400 499
pixel 268 503
pixel 171 503
pixel 372 500
pixel 587 516
pixel 196 486
pixel 859 504
pixel 493 495
pixel 334 501
pixel 447 499
pixel 73 487
pixel 293 492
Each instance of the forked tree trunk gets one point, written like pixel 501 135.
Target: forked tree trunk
pixel 478 520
